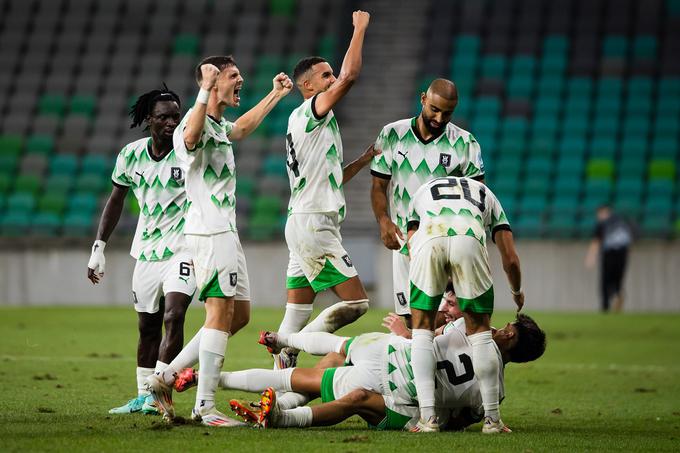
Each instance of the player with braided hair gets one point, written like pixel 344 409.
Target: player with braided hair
pixel 163 282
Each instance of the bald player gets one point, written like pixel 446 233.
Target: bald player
pixel 414 151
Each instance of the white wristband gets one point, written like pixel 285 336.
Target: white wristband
pixel 98 246
pixel 516 293
pixel 203 96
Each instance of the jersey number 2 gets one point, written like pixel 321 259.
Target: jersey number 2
pixel 454 379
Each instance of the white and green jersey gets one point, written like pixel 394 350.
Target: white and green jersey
pixel 455 206
pixel 158 186
pixel 408 161
pixel 314 162
pixel 211 177
pixel 456 384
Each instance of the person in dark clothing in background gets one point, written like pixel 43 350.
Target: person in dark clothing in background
pixel 612 238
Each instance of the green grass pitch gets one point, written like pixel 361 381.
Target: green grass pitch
pixel 605 383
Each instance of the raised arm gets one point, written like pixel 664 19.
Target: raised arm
pixel 196 121
pixel 107 223
pixel 506 247
pixel 351 67
pixel 249 121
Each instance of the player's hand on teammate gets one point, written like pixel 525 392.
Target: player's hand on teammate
pixel 209 74
pixel 369 153
pixel 282 84
pixel 390 234
pixel 519 300
pixel 95 267
pixel 360 19
pixel 395 324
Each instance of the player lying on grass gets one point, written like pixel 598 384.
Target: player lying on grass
pixel 379 385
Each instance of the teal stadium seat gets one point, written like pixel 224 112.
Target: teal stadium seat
pixel 53 202
pixel 21 201
pixel 45 224
pixel 63 164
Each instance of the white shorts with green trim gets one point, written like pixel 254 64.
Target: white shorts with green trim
pixel 465 260
pixel 151 280
pixel 317 257
pixel 220 265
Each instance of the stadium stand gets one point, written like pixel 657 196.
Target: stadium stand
pixel 575 103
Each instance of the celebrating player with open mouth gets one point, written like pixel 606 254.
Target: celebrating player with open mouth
pixel 203 140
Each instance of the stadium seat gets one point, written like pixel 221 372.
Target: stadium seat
pixel 83 104
pixel 96 164
pixel 40 144
pixel 11 145
pixel 63 164
pixel 52 104
pixel 186 44
pixel 662 169
pixel 27 183
pixel 52 202
pixel 644 47
pixel 60 183
pixel 93 183
pixel 600 169
pixel 45 224
pixel 77 224
pixel 82 202
pixel 21 202
pixel 14 223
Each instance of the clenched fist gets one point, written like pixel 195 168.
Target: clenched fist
pixel 360 19
pixel 209 73
pixel 282 84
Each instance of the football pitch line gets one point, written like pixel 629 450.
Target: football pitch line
pixel 244 363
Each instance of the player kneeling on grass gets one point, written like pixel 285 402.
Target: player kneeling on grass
pixel 163 281
pixel 448 218
pixel 377 383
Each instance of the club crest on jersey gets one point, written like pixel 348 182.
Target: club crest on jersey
pixel 347 261
pixel 401 298
pixel 176 173
pixel 233 278
pixel 445 160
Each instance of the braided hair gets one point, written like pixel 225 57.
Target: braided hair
pixel 146 102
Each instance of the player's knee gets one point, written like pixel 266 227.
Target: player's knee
pixel 174 318
pixel 356 309
pixel 149 327
pixel 239 322
pixel 358 397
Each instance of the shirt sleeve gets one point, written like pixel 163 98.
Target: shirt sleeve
pixel 475 164
pixel 495 216
pixel 313 120
pixel 120 176
pixel 381 165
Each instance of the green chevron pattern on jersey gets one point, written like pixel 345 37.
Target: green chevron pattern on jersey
pixel 410 162
pixel 159 189
pixel 314 162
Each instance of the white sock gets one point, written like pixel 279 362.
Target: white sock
pixel 315 343
pixel 186 358
pixel 142 374
pixel 295 318
pixel 337 315
pixel 423 362
pixel 160 366
pixel 300 417
pixel 291 400
pixel 257 380
pixel 485 364
pixel 211 352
